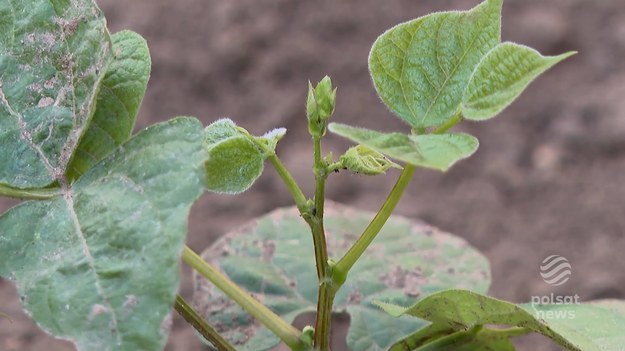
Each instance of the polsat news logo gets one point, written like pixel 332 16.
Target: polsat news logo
pixel 555 271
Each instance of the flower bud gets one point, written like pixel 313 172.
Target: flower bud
pixel 320 106
pixel 361 159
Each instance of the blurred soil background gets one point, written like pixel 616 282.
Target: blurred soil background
pixel 547 179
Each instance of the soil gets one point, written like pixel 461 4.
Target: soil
pixel 547 179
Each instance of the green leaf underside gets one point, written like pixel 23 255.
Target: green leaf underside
pixel 118 101
pixel 598 326
pixel 436 151
pixel 235 161
pixel 501 77
pixel 421 68
pixel 53 55
pixel 484 340
pixel 271 258
pixel 99 265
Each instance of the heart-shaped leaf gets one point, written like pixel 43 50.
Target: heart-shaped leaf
pixel 272 258
pixel 421 68
pixel 501 77
pixel 236 159
pixel 99 263
pixel 566 324
pixel 53 55
pixel 118 101
pixel 437 151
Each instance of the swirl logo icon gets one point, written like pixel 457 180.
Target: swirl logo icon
pixel 555 270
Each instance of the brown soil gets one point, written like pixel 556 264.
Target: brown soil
pixel 548 178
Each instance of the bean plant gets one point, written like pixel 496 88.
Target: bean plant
pixel 95 247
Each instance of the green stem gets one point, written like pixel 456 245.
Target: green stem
pixel 192 317
pixel 291 184
pixel 286 332
pixel 318 231
pixel 334 167
pixel 325 295
pixel 457 118
pixel 28 194
pixel 342 268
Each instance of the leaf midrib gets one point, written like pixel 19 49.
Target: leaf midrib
pixel 452 73
pixel 69 201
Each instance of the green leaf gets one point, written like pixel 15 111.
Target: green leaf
pixel 421 68
pixel 118 101
pixel 501 77
pixel 596 325
pixel 236 159
pixel 437 151
pixel 485 340
pixel 436 338
pixel 271 258
pixel 588 327
pixel 361 159
pixel 99 264
pixel 53 55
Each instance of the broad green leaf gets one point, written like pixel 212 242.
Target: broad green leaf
pixel 501 77
pixel 53 55
pixel 421 68
pixel 99 264
pixel 588 327
pixel 272 259
pixel 236 159
pixel 118 101
pixel 437 151
pixel 596 325
pixel 361 159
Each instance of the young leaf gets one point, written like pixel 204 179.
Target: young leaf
pixel 566 324
pixel 118 101
pixel 270 258
pixel 361 159
pixel 98 264
pixel 501 77
pixel 53 55
pixel 236 158
pixel 420 68
pixel 233 165
pixel 437 151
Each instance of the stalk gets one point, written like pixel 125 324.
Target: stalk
pixel 343 266
pixel 286 332
pixel 341 269
pixel 325 297
pixel 192 317
pixel 291 184
pixel 28 194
